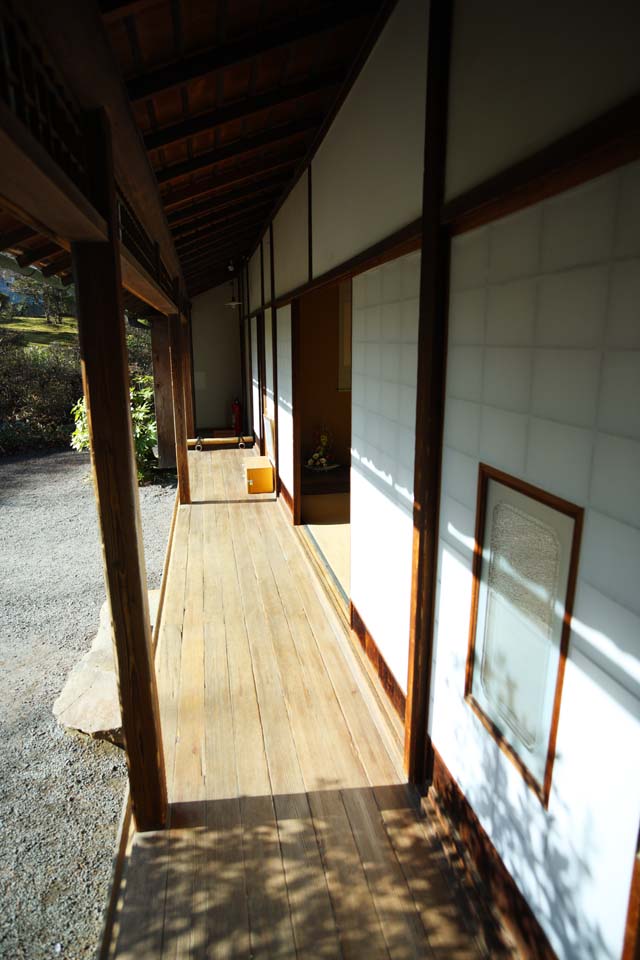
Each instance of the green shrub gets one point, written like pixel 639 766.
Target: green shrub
pixel 139 351
pixel 38 387
pixel 143 418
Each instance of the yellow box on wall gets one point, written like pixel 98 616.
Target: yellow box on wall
pixel 259 473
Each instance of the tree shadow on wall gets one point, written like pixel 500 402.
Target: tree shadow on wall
pixel 546 867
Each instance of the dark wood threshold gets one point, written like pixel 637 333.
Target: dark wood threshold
pixel 389 683
pixel 284 493
pixel 485 867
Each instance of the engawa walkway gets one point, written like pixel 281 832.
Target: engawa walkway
pixel 292 833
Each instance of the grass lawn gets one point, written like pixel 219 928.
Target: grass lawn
pixel 36 330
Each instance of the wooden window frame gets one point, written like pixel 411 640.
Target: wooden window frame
pixel 487 473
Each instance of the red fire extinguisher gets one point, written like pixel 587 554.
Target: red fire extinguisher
pixel 236 417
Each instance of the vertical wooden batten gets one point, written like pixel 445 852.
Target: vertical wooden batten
pixel 297 426
pixel 274 342
pixel 432 346
pixel 179 412
pixel 187 362
pixel 162 391
pixel 105 374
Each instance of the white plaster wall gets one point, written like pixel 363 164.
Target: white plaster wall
pixel 216 357
pixel 291 239
pixel 543 381
pixel 524 74
pixel 255 381
pixel 268 353
pixel 285 399
pixel 255 288
pixel 385 358
pixel 367 174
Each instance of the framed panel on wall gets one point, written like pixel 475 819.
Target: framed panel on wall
pixel 525 568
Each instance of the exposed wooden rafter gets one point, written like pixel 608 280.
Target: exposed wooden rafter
pixel 240 109
pixel 239 148
pixel 227 200
pixel 220 225
pixel 16 238
pixel 274 37
pixel 35 254
pixel 60 265
pixel 216 182
pixel 236 243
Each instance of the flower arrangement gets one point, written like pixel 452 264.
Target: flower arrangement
pixel 321 458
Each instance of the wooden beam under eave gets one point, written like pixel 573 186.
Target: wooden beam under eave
pixel 103 353
pixel 33 184
pixel 138 281
pixel 241 109
pixel 187 374
pixel 76 42
pixel 179 408
pixel 227 201
pixel 162 392
pixel 273 37
pixel 194 243
pixel 205 225
pixel 248 172
pixel 240 148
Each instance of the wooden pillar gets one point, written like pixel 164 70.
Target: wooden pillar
pixel 432 344
pixel 274 345
pixel 162 391
pixel 105 373
pixel 187 363
pixel 179 412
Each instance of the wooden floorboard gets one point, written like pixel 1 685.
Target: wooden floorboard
pixel 292 832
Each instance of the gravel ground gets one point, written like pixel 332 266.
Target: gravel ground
pixel 60 794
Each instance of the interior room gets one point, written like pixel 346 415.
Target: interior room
pixel 324 394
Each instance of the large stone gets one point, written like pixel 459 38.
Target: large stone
pixel 89 700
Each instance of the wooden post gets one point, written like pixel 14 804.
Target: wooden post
pixel 432 346
pixel 274 344
pixel 187 362
pixel 162 391
pixel 105 375
pixel 179 413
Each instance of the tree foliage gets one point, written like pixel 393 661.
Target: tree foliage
pixel 36 292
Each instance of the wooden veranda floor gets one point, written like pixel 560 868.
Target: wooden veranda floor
pixel 292 833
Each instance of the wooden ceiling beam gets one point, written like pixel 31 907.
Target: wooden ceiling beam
pixel 38 253
pixel 16 238
pixel 227 200
pixel 212 184
pixel 207 271
pixel 240 109
pixel 73 34
pixel 118 9
pixel 273 37
pixel 240 148
pixel 202 228
pixel 231 246
pixel 58 266
pixel 217 240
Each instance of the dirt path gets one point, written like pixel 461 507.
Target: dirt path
pixel 60 795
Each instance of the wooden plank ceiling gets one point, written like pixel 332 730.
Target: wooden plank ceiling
pixel 229 97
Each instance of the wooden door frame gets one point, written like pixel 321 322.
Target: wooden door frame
pixel 262 380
